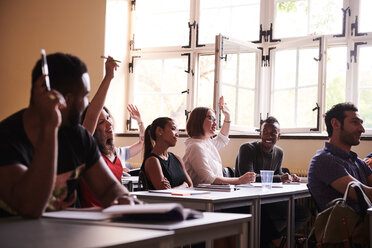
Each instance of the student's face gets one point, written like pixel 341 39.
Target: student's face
pixel 104 133
pixel 352 128
pixel 78 101
pixel 169 134
pixel 269 135
pixel 210 123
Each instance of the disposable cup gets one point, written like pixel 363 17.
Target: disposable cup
pixel 266 179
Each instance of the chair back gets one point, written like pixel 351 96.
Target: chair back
pixel 142 181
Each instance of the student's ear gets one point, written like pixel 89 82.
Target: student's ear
pixel 335 123
pixel 159 131
pixel 69 98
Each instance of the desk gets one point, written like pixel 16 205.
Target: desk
pixel 370 226
pixel 44 233
pixel 253 197
pixel 130 182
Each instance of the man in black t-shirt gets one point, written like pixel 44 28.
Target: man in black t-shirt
pixel 45 151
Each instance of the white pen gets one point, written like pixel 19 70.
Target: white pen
pixel 104 57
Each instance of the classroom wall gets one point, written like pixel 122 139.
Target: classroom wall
pixel 297 152
pixel 78 27
pixel 71 26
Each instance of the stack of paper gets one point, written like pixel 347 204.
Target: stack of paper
pixel 216 187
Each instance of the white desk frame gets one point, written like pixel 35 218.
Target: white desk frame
pixel 253 197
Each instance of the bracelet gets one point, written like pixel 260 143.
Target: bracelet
pixel 140 123
pixel 227 121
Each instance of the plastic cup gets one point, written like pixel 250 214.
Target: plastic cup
pixel 266 179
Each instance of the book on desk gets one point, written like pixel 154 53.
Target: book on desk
pixel 216 187
pixel 150 212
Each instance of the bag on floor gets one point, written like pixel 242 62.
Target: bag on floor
pixel 339 225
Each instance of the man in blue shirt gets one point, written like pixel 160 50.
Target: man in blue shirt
pixel 333 167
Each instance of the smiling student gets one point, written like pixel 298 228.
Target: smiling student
pixel 264 154
pixel 202 160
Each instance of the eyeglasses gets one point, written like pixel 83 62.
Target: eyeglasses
pixel 212 118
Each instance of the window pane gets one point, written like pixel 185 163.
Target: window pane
pixel 282 106
pixel 365 17
pixel 307 99
pixel 336 76
pixel 247 70
pixel 308 67
pixel 206 81
pixel 158 84
pixel 365 108
pixel 365 85
pixel 162 23
pixel 230 18
pixel 285 69
pixel 238 87
pixel 245 110
pixel 303 17
pixel 295 88
pixel 230 96
pixel 365 67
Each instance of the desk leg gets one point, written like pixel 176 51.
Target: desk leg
pixel 370 229
pixel 291 223
pixel 242 238
pixel 255 224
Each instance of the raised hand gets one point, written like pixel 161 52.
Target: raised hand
pixel 48 104
pixel 225 110
pixel 134 112
pixel 110 67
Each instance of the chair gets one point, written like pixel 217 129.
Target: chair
pixel 228 172
pixel 142 181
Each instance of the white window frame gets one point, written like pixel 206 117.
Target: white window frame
pixel 264 85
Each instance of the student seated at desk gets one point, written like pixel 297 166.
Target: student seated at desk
pixel 163 169
pixel 265 155
pixel 98 120
pixel 335 165
pixel 45 151
pixel 202 160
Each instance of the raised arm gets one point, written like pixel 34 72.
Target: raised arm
pixel 225 129
pixel 27 190
pixel 136 115
pixel 96 105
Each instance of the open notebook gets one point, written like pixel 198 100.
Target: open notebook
pixel 156 212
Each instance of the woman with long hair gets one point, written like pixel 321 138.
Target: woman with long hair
pixel 202 160
pixel 163 169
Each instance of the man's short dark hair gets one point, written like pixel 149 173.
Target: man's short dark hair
pixel 269 120
pixel 65 73
pixel 338 112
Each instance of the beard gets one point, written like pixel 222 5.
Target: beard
pixel 349 138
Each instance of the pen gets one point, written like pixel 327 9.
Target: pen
pixel 44 69
pixel 104 57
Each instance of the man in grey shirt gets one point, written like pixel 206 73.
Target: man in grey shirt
pixel 334 166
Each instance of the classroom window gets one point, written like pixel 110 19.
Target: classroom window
pixel 239 19
pixel 310 55
pixel 160 88
pixel 153 28
pixel 305 17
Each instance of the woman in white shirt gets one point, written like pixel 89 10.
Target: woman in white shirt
pixel 202 160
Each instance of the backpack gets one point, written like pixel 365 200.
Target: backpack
pixel 339 225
